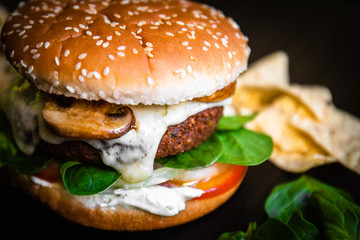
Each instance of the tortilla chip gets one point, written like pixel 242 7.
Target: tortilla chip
pixel 306 128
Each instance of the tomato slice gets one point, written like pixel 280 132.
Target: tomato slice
pixel 50 173
pixel 228 177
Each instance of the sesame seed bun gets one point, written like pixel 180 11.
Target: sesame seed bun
pixel 117 218
pixel 125 52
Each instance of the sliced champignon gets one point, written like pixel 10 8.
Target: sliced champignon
pixel 219 95
pixel 81 119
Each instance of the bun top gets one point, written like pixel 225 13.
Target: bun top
pixel 125 52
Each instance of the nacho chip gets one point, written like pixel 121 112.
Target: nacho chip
pixel 306 128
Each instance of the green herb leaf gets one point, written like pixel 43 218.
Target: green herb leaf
pixel 274 229
pixel 340 217
pixel 204 155
pixel 296 195
pixel 87 179
pixel 233 122
pixel 245 147
pixel 239 235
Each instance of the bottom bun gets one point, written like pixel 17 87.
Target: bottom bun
pixel 114 218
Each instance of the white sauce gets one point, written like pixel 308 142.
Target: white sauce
pixel 158 200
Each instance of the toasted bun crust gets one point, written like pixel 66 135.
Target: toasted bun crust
pixel 118 218
pixel 155 52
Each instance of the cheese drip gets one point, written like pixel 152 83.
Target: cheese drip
pixel 132 154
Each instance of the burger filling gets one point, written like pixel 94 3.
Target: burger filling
pixel 84 136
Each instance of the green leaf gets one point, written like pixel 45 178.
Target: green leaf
pixel 239 235
pixel 87 179
pixel 245 147
pixel 274 229
pixel 296 194
pixel 304 229
pixel 340 217
pixel 204 155
pixel 233 122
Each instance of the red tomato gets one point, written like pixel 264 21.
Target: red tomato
pixel 227 178
pixel 50 173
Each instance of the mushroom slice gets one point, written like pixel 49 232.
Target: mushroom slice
pixel 219 95
pixel 81 119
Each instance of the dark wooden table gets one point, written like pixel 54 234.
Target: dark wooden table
pixel 321 40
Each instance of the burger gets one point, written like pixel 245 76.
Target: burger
pixel 120 114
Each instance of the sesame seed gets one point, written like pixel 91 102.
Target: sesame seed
pixel 25 48
pixel 23 63
pixel 149 44
pixel 139 31
pixel 97 75
pixel 47 44
pixel 22 33
pixel 230 55
pixel 12 54
pixel 217 45
pixel 83 72
pixel 109 38
pixel 121 54
pixel 102 94
pixel 150 55
pixel 180 23
pixel 33 77
pixel 76 29
pixel 123 27
pixel 170 34
pixel 189 48
pixel 148 49
pixel 82 56
pixel 33 51
pixel 117 15
pixel 205 48
pixel 135 51
pixel 81 78
pixel 82 26
pixel 89 33
pixel 121 48
pixel 96 37
pixel 36 56
pixel 39 45
pixel 27 27
pixel 98 43
pixel 228 65
pixel 111 57
pixel 56 75
pixel 66 53
pixel 78 66
pixel 106 44
pixel 185 43
pixel 106 71
pixel 70 89
pixel 68 28
pixel 189 69
pixel 31 68
pixel 207 43
pixel 57 61
pixel 16 25
pixel 117 33
pixel 150 81
pixel 140 23
pixel 153 27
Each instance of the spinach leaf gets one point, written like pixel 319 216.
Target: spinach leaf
pixel 239 235
pixel 245 147
pixel 204 155
pixel 296 195
pixel 87 179
pixel 340 217
pixel 274 229
pixel 233 122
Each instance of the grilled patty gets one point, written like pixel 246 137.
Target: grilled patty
pixel 178 138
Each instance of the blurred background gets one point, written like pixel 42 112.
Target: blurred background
pixel 321 38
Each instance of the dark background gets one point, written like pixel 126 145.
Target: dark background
pixel 321 38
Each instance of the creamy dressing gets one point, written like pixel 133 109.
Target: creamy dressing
pixel 156 199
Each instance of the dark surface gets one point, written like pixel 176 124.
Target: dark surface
pixel 321 40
